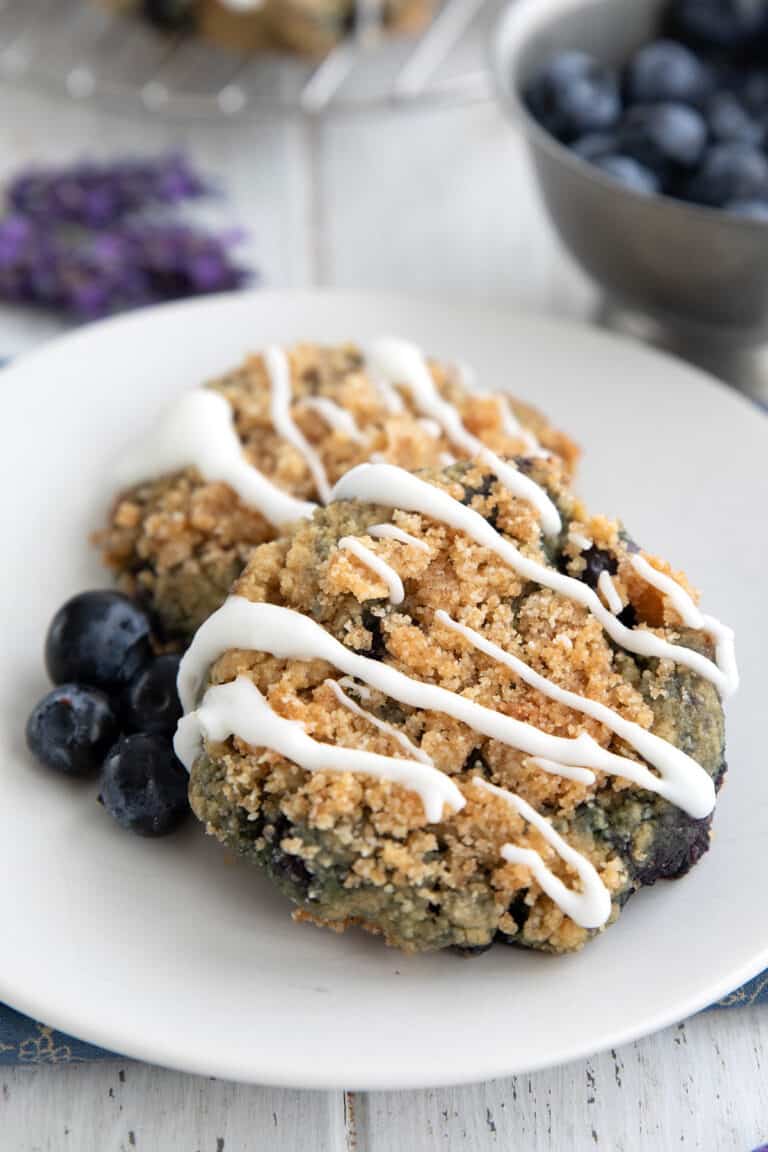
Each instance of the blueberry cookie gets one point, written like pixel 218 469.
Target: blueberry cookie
pixel 308 27
pixel 230 464
pixel 455 708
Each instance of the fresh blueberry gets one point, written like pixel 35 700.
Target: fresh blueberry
pixel 628 616
pixel 597 560
pixel 664 71
pixel 143 785
pixel 729 172
pixel 664 136
pixel 729 120
pixel 469 951
pixel 72 729
pixel 630 173
pixel 574 94
pixel 752 88
pixel 595 145
pixel 751 209
pixel 97 638
pixel 170 14
pixel 716 24
pixel 151 702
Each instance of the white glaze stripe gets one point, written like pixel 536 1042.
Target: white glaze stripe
pixel 392 532
pixel 513 428
pixel 589 908
pixel 386 484
pixel 382 725
pixel 380 567
pixel 335 416
pixel 288 635
pixel 391 398
pixel 403 363
pixel 430 427
pixel 239 709
pixel 509 422
pixel 683 782
pixel 279 372
pixel 610 595
pixel 243 5
pixel 198 431
pixel 360 689
pixel 568 772
pixel 692 617
pixel 580 541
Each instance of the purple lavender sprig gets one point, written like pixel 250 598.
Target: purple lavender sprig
pixel 88 276
pixel 81 242
pixel 99 195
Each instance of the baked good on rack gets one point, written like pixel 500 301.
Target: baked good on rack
pixel 455 708
pixel 308 27
pixel 231 463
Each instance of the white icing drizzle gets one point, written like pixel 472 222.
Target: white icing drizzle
pixel 390 396
pixel 389 485
pixel 513 428
pixel 382 725
pixel 683 781
pixel 445 459
pixel 376 564
pixel 467 378
pixel 430 427
pixel 335 416
pixel 242 5
pixel 581 542
pixel 359 689
pixel 198 431
pixel 509 422
pixel 589 908
pixel 403 363
pixel 392 532
pixel 606 585
pixel 239 709
pixel 567 771
pixel 279 372
pixel 288 635
pixel 693 617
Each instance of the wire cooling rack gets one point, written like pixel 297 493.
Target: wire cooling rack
pixel 77 50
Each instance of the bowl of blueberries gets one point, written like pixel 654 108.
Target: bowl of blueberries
pixel 647 121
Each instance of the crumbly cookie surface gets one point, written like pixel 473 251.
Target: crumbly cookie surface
pixel 178 542
pixel 350 849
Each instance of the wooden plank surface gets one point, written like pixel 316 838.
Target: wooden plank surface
pixel 443 204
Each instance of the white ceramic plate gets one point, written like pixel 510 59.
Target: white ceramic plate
pixel 171 952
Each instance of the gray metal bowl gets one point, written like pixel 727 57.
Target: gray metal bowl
pixel 681 264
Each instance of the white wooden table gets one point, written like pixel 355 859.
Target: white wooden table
pixel 440 203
